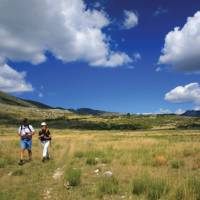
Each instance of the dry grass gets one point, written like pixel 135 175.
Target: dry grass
pixel 133 157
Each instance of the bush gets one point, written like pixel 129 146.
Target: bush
pixel 73 176
pixel 108 185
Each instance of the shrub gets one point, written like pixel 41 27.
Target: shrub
pixel 73 176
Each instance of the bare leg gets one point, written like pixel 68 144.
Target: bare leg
pixel 22 154
pixel 21 162
pixel 30 154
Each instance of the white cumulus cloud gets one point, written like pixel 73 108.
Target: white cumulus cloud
pixel 185 94
pixel 131 19
pixel 13 81
pixel 65 28
pixel 182 46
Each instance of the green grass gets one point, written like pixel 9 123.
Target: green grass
pixel 176 164
pixel 139 185
pixel 3 162
pixel 157 187
pixel 153 188
pixel 130 155
pixel 11 115
pixel 194 186
pixel 18 172
pixel 107 186
pixel 73 176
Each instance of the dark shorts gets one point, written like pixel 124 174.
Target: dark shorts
pixel 26 144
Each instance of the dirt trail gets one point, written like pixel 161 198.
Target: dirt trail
pixel 62 160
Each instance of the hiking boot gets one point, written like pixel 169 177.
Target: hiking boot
pixel 43 159
pixel 21 162
pixel 48 158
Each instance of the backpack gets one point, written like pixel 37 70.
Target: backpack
pixel 26 136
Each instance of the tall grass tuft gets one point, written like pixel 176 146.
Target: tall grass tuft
pixel 152 188
pixel 180 193
pixel 176 164
pixel 139 185
pixel 194 186
pixel 3 163
pixel 156 189
pixel 73 176
pixel 108 186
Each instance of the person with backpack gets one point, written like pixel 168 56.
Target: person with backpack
pixel 26 131
pixel 45 138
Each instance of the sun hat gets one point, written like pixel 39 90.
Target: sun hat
pixel 43 124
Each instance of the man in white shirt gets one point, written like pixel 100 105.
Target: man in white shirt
pixel 25 133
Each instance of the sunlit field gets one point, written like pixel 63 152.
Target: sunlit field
pixel 104 165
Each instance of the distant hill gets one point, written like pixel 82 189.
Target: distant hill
pixel 15 101
pixel 88 111
pixel 38 104
pixel 11 100
pixel 192 113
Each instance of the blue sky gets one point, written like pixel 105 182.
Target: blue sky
pixel 141 79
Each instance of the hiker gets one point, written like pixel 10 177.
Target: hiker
pixel 25 133
pixel 45 138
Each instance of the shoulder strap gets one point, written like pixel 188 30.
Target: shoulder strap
pixel 29 128
pixel 20 129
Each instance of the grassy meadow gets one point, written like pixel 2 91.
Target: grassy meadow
pixel 91 165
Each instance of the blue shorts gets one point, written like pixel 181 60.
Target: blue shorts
pixel 26 144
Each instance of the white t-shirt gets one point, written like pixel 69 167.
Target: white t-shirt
pixel 23 130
